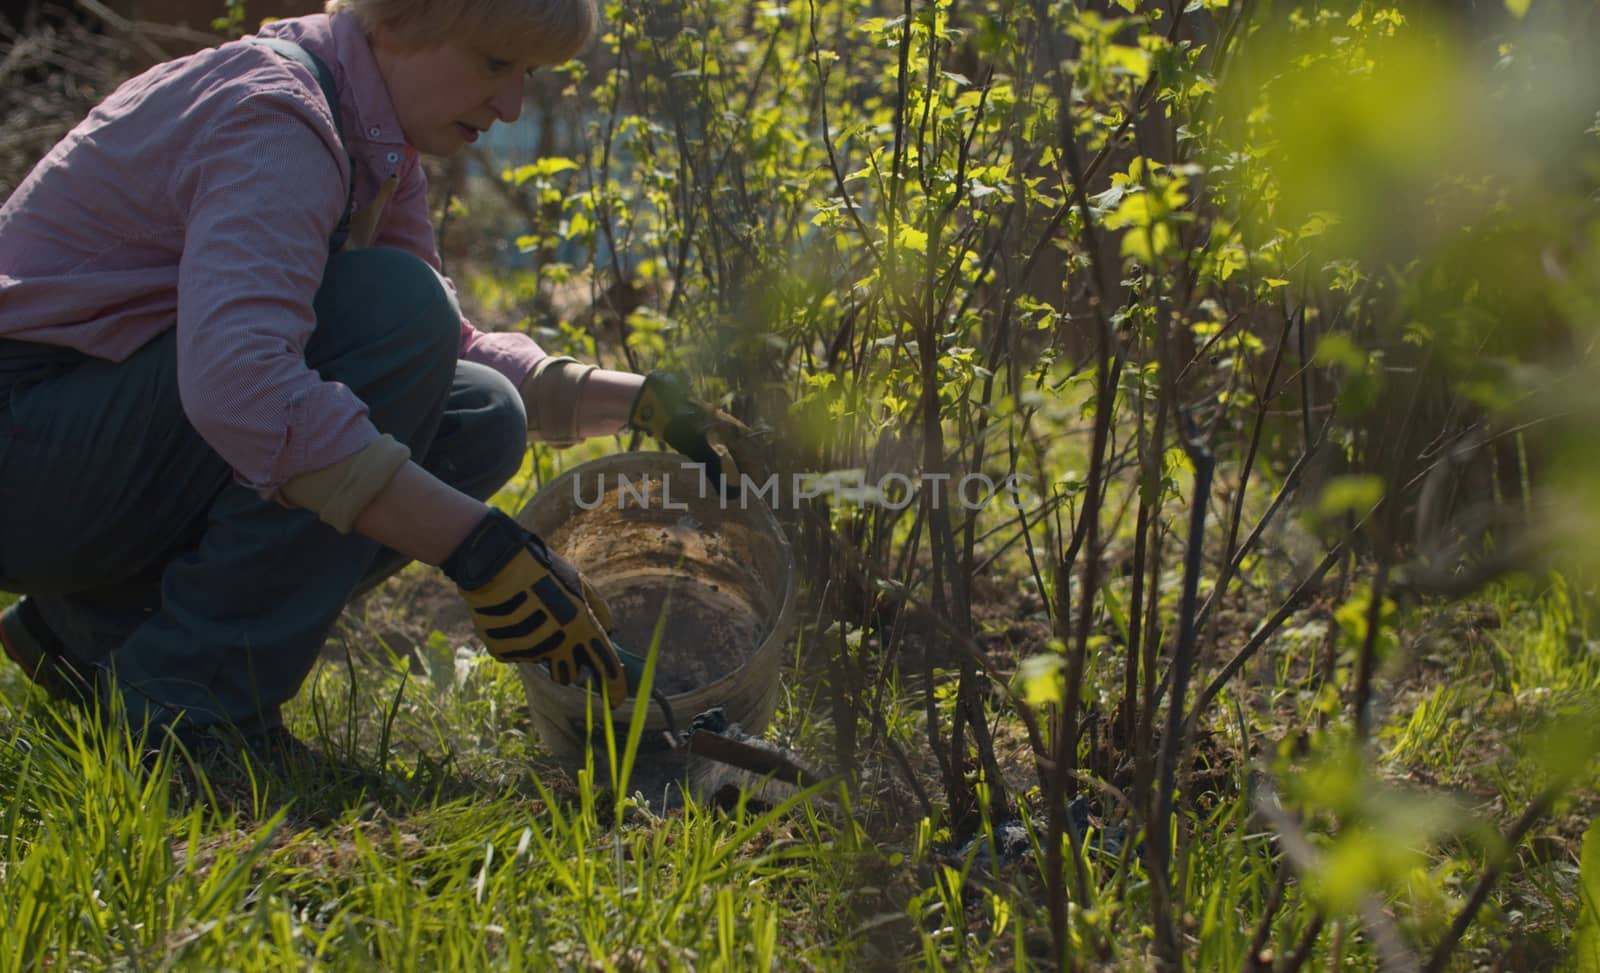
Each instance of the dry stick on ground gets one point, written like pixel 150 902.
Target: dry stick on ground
pixel 142 29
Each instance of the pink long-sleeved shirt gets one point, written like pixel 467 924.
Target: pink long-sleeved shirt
pixel 200 195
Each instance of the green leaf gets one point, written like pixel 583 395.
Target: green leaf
pixel 438 658
pixel 1338 349
pixel 1355 864
pixel 1145 244
pixel 1133 60
pixel 1352 617
pixel 1040 677
pixel 542 169
pixel 1133 210
pixel 1566 747
pixel 1586 937
pixel 1119 615
pixel 1350 494
pixel 912 239
pixel 1227 261
pixel 579 226
pixel 1518 8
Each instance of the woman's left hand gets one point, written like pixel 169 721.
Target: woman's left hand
pixel 666 410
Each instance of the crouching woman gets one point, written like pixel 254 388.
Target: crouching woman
pixel 235 388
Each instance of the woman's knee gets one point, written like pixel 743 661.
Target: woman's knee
pixel 385 297
pixel 484 435
pixel 501 425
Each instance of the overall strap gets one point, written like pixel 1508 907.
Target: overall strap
pixel 319 70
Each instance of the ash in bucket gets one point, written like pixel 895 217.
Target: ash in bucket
pixel 707 630
pixel 700 578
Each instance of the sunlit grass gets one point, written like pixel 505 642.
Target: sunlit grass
pixel 469 851
pixel 107 863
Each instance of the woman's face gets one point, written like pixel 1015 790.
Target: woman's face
pixel 447 94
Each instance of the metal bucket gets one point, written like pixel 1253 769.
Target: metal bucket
pixel 718 575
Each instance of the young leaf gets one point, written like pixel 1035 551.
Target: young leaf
pixel 1586 937
pixel 1350 494
pixel 1040 678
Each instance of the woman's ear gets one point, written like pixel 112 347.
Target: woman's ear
pixel 382 38
pixel 390 40
pixel 389 45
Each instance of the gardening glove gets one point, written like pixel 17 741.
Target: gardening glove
pixel 530 605
pixel 632 665
pixel 665 410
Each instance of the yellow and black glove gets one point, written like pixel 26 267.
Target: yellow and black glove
pixel 665 409
pixel 530 605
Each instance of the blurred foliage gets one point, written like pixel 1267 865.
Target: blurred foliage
pixel 1347 251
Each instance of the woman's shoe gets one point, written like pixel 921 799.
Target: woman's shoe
pixel 42 656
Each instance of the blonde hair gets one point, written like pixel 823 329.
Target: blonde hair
pixel 551 31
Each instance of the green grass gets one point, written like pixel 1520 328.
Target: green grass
pixel 470 851
pixel 107 864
